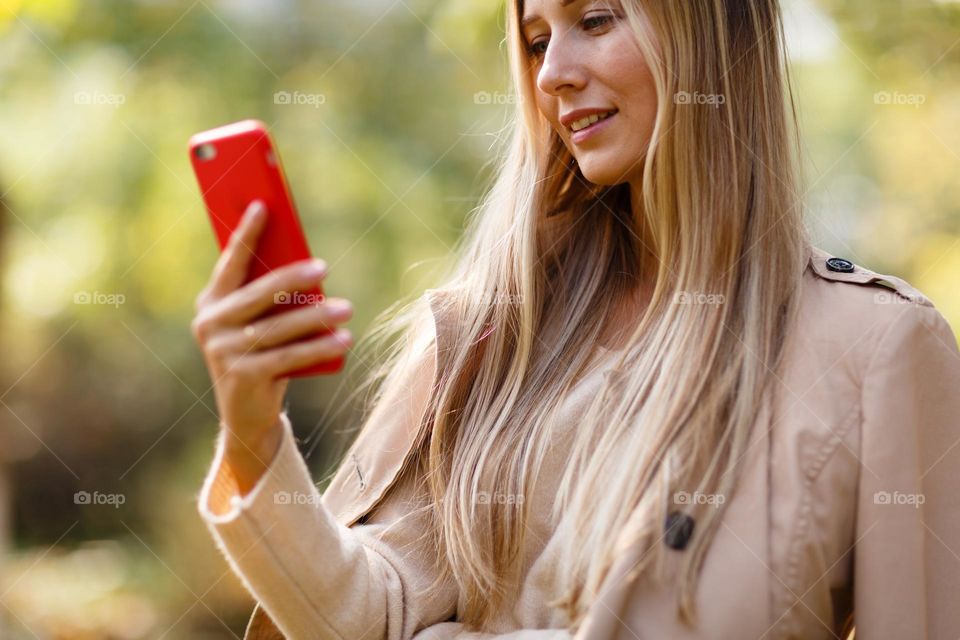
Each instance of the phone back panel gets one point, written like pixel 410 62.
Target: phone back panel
pixel 236 164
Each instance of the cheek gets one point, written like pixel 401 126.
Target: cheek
pixel 546 106
pixel 550 112
pixel 626 74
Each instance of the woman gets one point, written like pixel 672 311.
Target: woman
pixel 642 405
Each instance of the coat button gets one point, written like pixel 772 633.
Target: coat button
pixel 678 529
pixel 840 265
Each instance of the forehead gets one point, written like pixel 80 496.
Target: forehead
pixel 528 17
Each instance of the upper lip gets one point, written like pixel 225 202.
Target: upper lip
pixel 570 117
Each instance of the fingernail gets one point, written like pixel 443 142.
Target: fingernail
pixel 340 306
pixel 318 266
pixel 256 207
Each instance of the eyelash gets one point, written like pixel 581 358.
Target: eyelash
pixel 605 20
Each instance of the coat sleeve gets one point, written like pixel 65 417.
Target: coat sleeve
pixel 314 576
pixel 907 548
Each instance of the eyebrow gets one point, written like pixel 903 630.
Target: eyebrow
pixel 530 19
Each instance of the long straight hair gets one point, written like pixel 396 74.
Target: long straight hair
pixel 547 257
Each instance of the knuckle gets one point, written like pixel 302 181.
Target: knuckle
pixel 236 236
pixel 200 327
pixel 323 323
pixel 278 280
pixel 200 300
pixel 233 252
pixel 217 349
pixel 268 326
pixel 286 357
pixel 330 342
pixel 316 314
pixel 242 371
pixel 295 276
pixel 239 368
pixel 227 255
pixel 305 270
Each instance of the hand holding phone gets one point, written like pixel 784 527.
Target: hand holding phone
pixel 235 165
pixel 246 366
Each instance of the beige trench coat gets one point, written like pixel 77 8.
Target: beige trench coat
pixel 849 504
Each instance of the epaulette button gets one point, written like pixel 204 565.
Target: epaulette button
pixel 840 265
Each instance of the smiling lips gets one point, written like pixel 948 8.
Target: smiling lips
pixel 582 118
pixel 584 126
pixel 583 123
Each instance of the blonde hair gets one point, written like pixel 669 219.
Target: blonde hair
pixel 547 257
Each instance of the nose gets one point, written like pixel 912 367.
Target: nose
pixel 561 69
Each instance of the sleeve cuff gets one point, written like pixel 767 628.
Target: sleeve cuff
pixel 220 500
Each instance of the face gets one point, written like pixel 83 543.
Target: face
pixel 584 56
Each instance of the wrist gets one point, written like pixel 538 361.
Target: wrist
pixel 249 459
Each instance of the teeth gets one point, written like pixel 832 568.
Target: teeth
pixel 583 123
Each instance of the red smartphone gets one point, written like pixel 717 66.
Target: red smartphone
pixel 236 164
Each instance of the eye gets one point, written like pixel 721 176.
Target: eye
pixel 590 23
pixel 534 52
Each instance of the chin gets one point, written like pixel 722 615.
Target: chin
pixel 608 174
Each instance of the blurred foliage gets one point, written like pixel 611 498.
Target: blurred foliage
pixel 879 100
pixel 97 100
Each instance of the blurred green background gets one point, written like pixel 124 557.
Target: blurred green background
pixel 395 107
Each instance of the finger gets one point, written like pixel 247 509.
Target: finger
pixel 234 263
pixel 284 285
pixel 296 324
pixel 281 360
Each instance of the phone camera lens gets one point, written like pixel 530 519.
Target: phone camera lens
pixel 206 151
